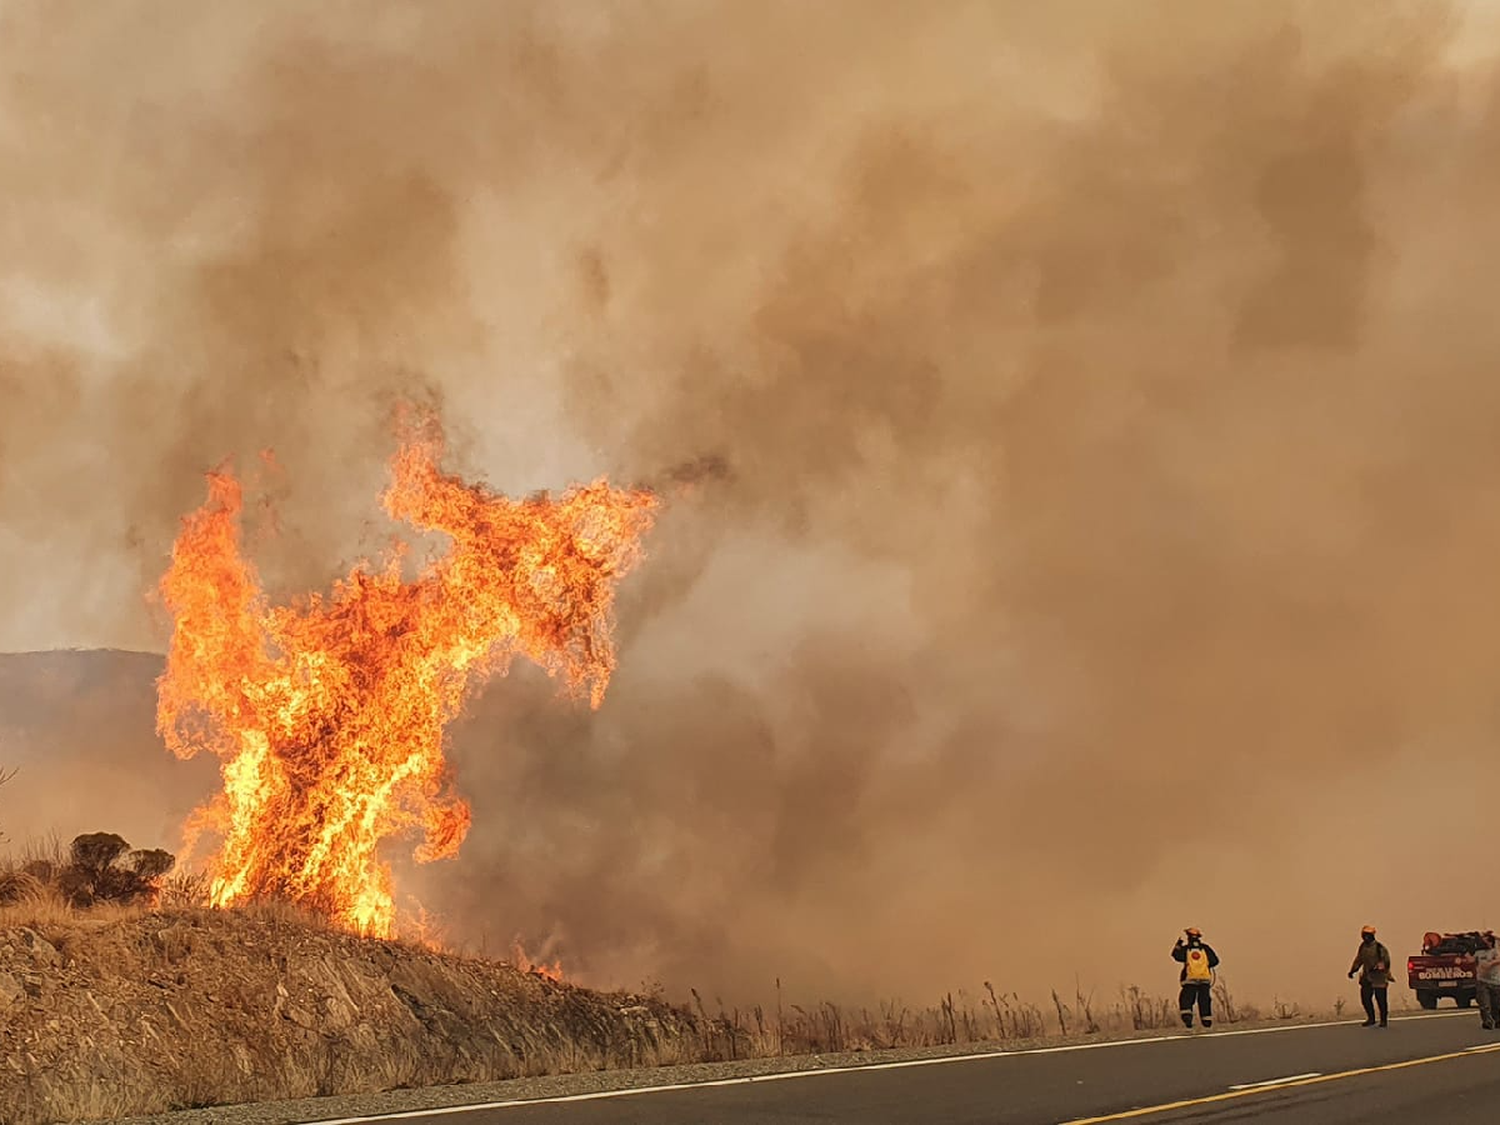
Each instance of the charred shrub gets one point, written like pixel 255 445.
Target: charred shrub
pixel 151 864
pixel 102 868
pixel 95 852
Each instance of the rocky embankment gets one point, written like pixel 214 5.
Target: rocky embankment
pixel 196 1008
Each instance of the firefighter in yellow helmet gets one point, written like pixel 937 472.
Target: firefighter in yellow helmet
pixel 1372 961
pixel 1198 962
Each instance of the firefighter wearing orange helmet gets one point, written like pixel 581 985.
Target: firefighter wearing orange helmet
pixel 1198 962
pixel 1372 961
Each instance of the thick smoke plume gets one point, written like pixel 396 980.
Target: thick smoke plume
pixel 1087 414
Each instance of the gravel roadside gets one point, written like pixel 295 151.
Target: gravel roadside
pixel 311 1110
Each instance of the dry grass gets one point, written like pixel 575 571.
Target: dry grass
pixel 30 896
pixel 88 1100
pixel 181 891
pixel 278 912
pixel 43 882
pixel 957 1018
pixel 147 1007
pixel 137 1010
pixel 33 904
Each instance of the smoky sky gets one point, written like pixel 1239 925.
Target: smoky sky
pixel 1090 412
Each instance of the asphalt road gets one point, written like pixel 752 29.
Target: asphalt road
pixel 1441 1068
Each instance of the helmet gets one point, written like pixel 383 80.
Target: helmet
pixel 1367 930
pixel 1193 931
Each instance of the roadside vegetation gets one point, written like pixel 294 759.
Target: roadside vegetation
pixel 121 994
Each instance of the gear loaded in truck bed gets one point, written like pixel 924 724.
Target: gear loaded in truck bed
pixel 1445 967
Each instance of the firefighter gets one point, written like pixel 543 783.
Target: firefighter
pixel 1373 963
pixel 1198 962
pixel 1487 982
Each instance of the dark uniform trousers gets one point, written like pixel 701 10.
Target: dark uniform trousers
pixel 1199 992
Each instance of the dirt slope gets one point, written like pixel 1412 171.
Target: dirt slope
pixel 180 1009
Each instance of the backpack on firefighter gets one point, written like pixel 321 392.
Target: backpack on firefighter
pixel 1196 969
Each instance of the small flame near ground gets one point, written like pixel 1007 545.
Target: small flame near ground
pixel 421 927
pixel 328 713
pixel 523 961
pixel 426 930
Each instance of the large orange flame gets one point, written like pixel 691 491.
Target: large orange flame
pixel 329 713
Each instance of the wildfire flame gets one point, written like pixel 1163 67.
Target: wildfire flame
pixel 523 961
pixel 329 713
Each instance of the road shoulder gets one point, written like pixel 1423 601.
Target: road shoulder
pixel 347 1107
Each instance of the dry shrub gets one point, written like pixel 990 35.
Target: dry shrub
pixel 94 881
pixel 151 864
pixel 95 852
pixel 19 886
pixel 102 868
pixel 183 890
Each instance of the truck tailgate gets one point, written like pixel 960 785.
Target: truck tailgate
pixel 1440 972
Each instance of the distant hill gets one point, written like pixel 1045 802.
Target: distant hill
pixel 79 726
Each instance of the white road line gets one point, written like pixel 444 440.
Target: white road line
pixel 632 1091
pixel 1277 1081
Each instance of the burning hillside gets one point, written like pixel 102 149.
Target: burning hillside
pixel 328 713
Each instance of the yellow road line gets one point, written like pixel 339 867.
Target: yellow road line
pixel 1166 1107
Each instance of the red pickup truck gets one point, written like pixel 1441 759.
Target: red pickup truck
pixel 1444 968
